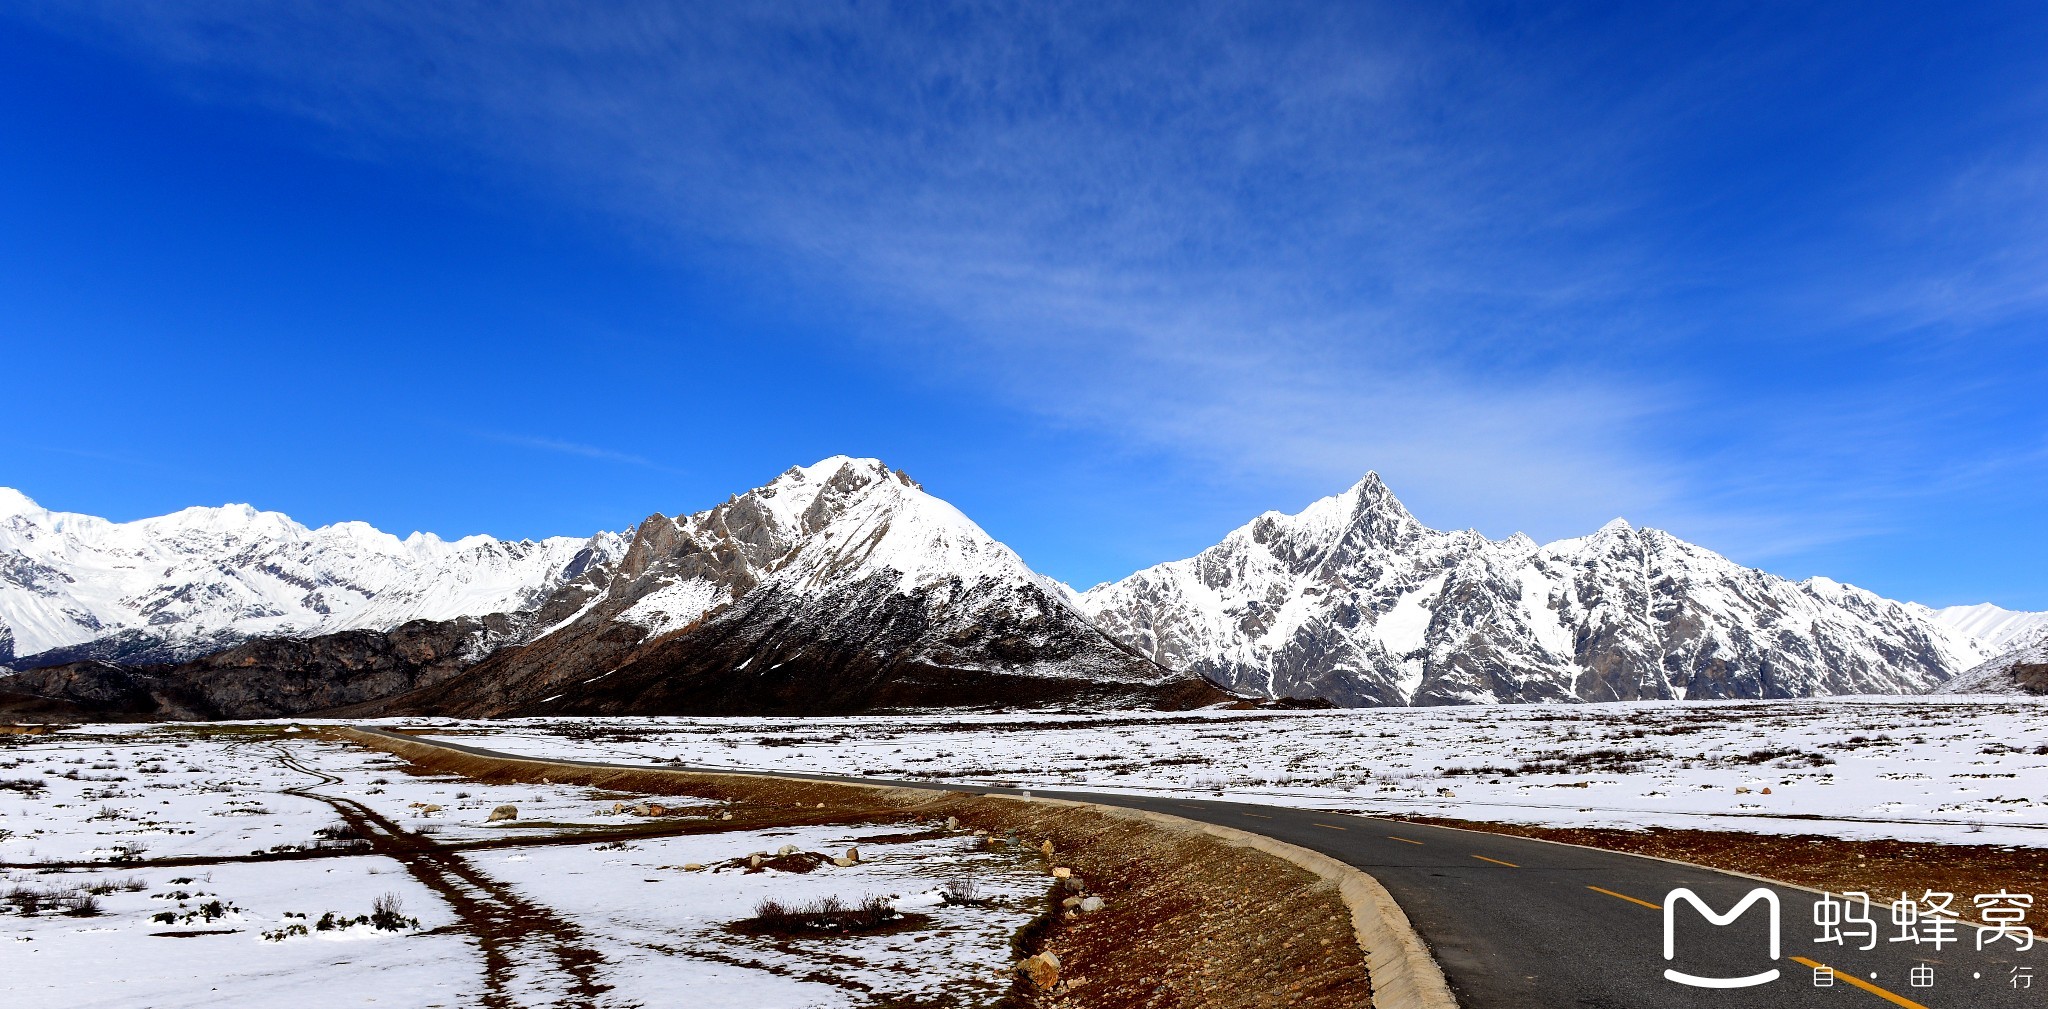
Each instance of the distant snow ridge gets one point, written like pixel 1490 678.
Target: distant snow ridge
pixel 1995 674
pixel 191 582
pixel 1356 601
pixel 1993 627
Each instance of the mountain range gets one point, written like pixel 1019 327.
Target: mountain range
pixel 844 586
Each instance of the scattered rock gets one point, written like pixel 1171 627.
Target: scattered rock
pixel 502 813
pixel 788 849
pixel 693 866
pixel 1767 791
pixel 753 861
pixel 727 815
pixel 1091 904
pixel 1742 790
pixel 853 854
pixel 842 861
pixel 952 823
pixel 1071 902
pixel 1043 970
pixel 1061 872
pixel 1045 848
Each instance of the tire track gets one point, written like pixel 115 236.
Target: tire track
pixel 525 945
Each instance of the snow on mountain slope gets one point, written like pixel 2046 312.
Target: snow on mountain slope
pixel 1356 601
pixel 204 577
pixel 2008 672
pixel 835 544
pixel 1994 628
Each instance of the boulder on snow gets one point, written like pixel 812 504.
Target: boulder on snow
pixel 507 812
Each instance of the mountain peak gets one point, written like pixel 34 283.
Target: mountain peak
pixel 1372 503
pixel 14 502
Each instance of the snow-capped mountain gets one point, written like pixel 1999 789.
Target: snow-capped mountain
pixel 837 586
pixel 195 581
pixel 2020 667
pixel 1994 628
pixel 1355 601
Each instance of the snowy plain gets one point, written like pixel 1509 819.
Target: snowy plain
pixel 640 924
pixel 1938 769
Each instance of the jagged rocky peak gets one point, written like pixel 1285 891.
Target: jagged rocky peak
pixel 1356 601
pixel 813 529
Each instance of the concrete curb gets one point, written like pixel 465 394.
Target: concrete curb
pixel 1404 975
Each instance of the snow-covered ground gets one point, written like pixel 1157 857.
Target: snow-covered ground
pixel 494 922
pixel 1958 770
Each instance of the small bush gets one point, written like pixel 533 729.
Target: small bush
pixel 25 900
pixel 26 786
pixel 824 916
pixel 388 914
pixel 963 890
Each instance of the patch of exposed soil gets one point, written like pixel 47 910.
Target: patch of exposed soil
pixel 1824 863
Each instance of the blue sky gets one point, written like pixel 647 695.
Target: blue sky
pixel 1111 278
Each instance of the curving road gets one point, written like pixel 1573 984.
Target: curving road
pixel 1525 924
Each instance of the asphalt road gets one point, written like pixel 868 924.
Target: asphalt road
pixel 1524 924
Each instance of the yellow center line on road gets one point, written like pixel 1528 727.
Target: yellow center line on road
pixel 1332 826
pixel 1261 816
pixel 1496 861
pixel 1892 997
pixel 1403 840
pixel 1626 897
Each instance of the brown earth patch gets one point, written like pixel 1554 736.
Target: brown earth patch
pixel 1823 863
pixel 1191 920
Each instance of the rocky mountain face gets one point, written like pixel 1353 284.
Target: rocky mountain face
pixel 167 589
pixel 841 586
pixel 1355 601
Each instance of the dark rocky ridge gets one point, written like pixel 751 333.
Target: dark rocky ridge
pixel 266 678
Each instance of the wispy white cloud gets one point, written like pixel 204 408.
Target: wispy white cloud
pixel 1281 243
pixel 563 447
pixel 1262 239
